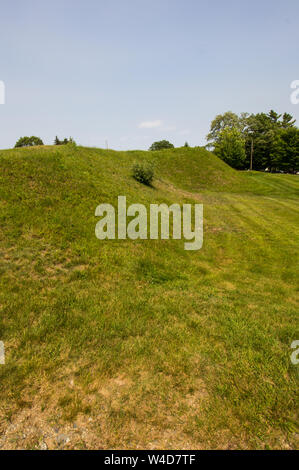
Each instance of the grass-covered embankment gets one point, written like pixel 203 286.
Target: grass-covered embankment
pixel 141 344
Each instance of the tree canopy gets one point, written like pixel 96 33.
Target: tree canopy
pixel 230 147
pixel 64 141
pixel 270 140
pixel 161 144
pixel 29 141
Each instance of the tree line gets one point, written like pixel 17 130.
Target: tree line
pixel 262 141
pixel 34 141
pixel 256 141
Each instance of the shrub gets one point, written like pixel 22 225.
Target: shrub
pixel 29 141
pixel 161 144
pixel 65 141
pixel 143 172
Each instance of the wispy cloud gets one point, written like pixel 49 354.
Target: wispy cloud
pixel 150 124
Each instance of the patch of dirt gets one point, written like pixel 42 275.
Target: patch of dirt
pixel 120 417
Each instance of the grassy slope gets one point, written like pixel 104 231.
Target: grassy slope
pixel 143 344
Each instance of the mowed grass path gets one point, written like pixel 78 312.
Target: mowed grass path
pixel 141 344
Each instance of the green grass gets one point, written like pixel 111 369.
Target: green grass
pixel 141 343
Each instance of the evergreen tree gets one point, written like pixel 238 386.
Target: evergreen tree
pixel 287 121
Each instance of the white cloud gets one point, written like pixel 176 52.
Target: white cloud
pixel 150 124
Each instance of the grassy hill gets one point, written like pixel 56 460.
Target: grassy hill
pixel 141 344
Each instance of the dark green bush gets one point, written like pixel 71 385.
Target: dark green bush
pixel 143 172
pixel 29 141
pixel 161 144
pixel 64 141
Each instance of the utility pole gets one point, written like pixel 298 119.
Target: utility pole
pixel 106 144
pixel 251 154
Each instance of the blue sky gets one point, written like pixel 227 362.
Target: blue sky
pixel 136 71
